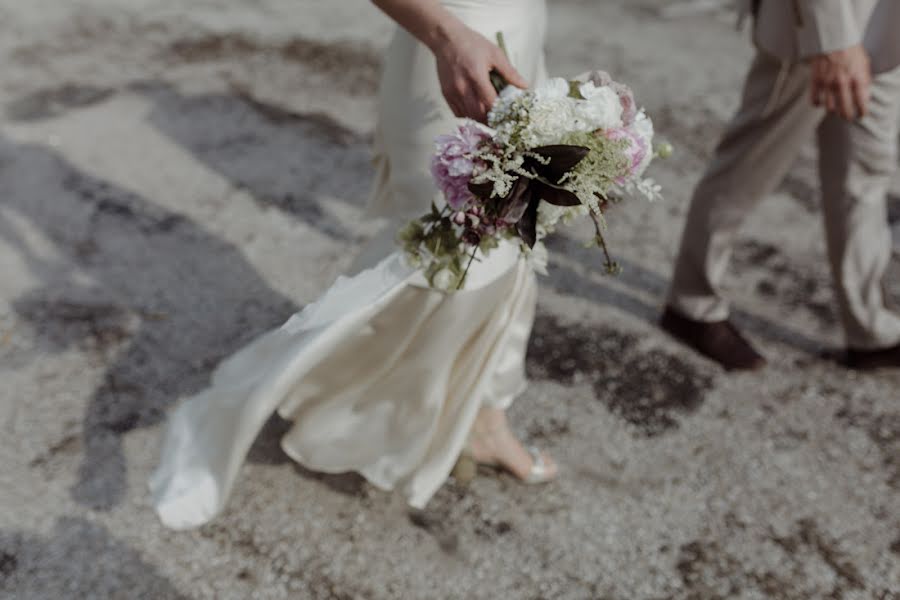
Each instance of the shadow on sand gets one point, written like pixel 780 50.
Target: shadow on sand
pixel 157 297
pixel 79 559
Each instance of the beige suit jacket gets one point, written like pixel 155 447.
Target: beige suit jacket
pixel 793 30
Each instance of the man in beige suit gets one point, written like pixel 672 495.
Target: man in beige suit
pixel 823 66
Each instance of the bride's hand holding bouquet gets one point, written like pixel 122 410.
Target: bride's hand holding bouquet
pixel 465 59
pixel 464 66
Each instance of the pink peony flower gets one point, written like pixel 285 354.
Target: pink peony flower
pixel 452 164
pixel 626 97
pixel 636 150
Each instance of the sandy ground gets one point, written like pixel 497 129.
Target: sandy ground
pixel 177 178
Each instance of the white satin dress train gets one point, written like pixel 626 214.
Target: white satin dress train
pixel 381 375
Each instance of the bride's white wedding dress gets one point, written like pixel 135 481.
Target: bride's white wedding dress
pixel 381 375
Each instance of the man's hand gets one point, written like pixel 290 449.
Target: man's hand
pixel 464 63
pixel 841 82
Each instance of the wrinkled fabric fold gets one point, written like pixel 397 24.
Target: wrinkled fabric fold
pixel 383 380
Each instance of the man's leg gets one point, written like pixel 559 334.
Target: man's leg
pixel 895 235
pixel 753 157
pixel 775 118
pixel 856 162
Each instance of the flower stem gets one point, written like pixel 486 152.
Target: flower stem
pixel 502 43
pixel 497 80
pixel 612 267
pixel 462 279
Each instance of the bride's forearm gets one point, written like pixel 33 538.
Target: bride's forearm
pixel 427 20
pixel 463 57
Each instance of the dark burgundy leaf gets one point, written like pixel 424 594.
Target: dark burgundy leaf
pixel 481 190
pixel 517 200
pixel 563 159
pixel 557 196
pixel 527 225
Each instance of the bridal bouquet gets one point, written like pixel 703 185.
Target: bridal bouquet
pixel 560 151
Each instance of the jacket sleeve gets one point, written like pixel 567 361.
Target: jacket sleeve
pixel 825 26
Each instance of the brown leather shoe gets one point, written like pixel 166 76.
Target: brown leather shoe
pixel 868 360
pixel 719 340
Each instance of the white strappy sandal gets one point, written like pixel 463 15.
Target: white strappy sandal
pixel 540 471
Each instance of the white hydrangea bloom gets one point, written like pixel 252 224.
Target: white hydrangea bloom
pixel 551 113
pixel 600 109
pixel 551 89
pixel 550 119
pixel 505 103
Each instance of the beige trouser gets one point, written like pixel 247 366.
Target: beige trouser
pixel 856 161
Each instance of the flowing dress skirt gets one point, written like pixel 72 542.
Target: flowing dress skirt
pixel 381 375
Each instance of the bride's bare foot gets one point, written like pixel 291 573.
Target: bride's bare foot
pixel 492 442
